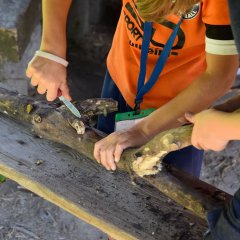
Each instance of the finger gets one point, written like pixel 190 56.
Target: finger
pixel 198 147
pixel 65 91
pixel 29 72
pixel 110 159
pixel 96 152
pixel 190 117
pixel 219 145
pixel 41 89
pixel 183 120
pixel 52 93
pixel 195 143
pixel 204 147
pixel 118 151
pixel 34 81
pixel 104 159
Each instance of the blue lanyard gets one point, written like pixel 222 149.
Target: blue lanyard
pixel 144 88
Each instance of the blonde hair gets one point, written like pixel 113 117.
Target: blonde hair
pixel 157 10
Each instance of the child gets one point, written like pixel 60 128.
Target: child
pixel 199 66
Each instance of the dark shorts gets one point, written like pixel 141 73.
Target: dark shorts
pixel 224 223
pixel 234 8
pixel 188 159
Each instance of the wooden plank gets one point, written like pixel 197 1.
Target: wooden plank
pixel 103 199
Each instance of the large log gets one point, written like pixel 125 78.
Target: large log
pixel 57 124
pixel 101 198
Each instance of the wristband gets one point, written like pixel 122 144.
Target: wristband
pixel 51 57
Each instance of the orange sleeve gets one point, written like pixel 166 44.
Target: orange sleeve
pixel 219 38
pixel 215 12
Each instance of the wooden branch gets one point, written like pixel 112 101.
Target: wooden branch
pixel 147 159
pixel 199 197
pixel 29 110
pixel 58 125
pixel 46 117
pixel 187 191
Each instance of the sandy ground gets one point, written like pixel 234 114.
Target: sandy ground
pixel 23 215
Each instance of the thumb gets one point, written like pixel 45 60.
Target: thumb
pixel 190 117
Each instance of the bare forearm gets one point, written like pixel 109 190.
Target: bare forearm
pixel 208 87
pixel 196 97
pixel 54 26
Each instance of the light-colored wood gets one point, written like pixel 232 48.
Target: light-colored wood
pixel 82 187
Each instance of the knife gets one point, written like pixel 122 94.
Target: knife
pixel 70 106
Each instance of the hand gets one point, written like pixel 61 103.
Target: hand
pixel 108 151
pixel 49 77
pixel 208 130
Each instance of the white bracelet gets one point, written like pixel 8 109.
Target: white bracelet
pixel 51 57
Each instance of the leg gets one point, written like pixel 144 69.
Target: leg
pixel 188 159
pixel 224 223
pixel 234 8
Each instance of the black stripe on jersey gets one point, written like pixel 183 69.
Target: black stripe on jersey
pixel 219 32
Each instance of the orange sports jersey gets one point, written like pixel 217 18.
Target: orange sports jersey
pixel 206 28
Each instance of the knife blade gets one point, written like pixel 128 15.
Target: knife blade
pixel 70 106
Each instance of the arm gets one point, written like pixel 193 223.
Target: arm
pixel 48 75
pixel 210 85
pixel 54 26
